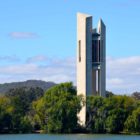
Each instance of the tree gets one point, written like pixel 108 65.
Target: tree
pixel 95 114
pixel 38 116
pixel 25 125
pixel 109 93
pixel 25 96
pixel 21 101
pixel 108 114
pixel 59 107
pixel 117 110
pixel 115 120
pixel 5 114
pixel 132 123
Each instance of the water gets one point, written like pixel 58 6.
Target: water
pixel 68 137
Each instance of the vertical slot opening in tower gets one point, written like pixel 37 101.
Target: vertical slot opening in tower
pixel 79 50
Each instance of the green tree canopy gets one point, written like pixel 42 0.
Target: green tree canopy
pixel 132 123
pixel 58 108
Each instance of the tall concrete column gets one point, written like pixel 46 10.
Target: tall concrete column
pixel 90 59
pixel 84 66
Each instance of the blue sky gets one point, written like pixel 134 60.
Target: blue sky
pixel 38 37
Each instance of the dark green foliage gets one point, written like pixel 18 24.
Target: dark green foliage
pixel 28 94
pixel 58 109
pixel 109 93
pixel 26 110
pixel 115 120
pixel 95 114
pixel 132 123
pixel 25 125
pixel 15 107
pixel 110 114
pixel 5 114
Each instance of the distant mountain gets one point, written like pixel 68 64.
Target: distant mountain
pixel 29 83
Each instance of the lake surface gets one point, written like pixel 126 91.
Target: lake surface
pixel 68 137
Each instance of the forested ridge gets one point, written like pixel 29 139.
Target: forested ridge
pixel 29 110
pixel 4 88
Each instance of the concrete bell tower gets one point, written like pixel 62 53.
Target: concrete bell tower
pixel 91 59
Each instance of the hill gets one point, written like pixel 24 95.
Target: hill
pixel 28 84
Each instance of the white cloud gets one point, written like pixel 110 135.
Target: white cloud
pixel 23 35
pixel 38 58
pixel 12 58
pixel 60 70
pixel 18 69
pixel 122 73
pixel 114 81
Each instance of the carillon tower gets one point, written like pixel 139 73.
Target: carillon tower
pixel 91 59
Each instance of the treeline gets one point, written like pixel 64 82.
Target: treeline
pixel 27 110
pixel 115 114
